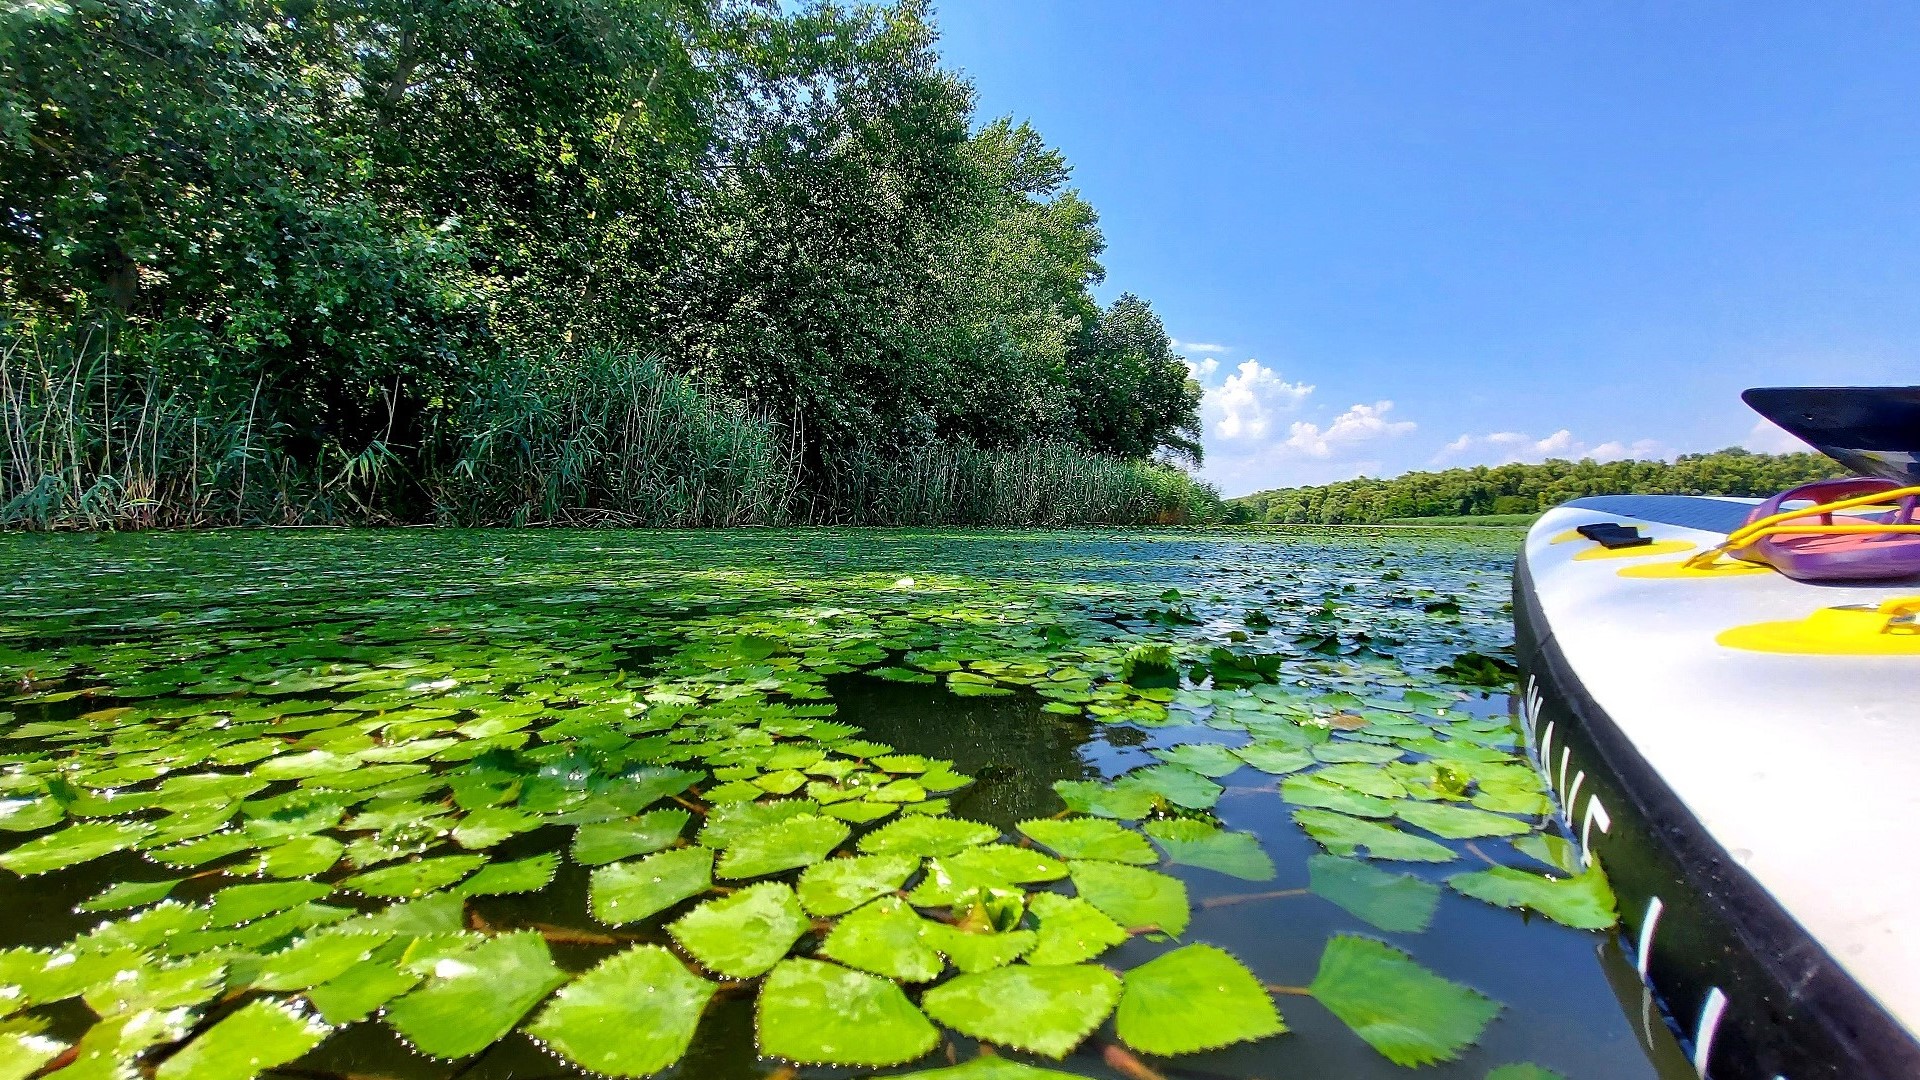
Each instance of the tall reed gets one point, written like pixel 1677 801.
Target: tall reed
pixel 612 438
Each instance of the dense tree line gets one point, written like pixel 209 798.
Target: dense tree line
pixel 361 219
pixel 1520 489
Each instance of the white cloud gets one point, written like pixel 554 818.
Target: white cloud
pixel 1509 447
pixel 1769 438
pixel 1359 426
pixel 1257 436
pixel 1199 347
pixel 1204 370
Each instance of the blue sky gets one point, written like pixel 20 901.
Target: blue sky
pixel 1397 235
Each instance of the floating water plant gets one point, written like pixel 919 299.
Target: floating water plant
pixel 476 803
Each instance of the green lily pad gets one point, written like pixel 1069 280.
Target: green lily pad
pixel 980 950
pixel 259 1036
pixel 1583 901
pixel 1347 752
pixel 1313 791
pixel 1090 838
pixel 1458 822
pixel 1070 930
pixel 603 842
pixel 354 995
pixel 315 960
pixel 1524 1071
pixel 837 886
pixel 490 825
pixel 627 892
pixel 988 1067
pixel 1194 998
pixel 860 811
pixel 1126 799
pixel 742 935
pixel 886 937
pixel 521 876
pixel 1046 1010
pixel 796 842
pixel 73 845
pixel 725 824
pixel 1135 898
pixel 1275 758
pixel 932 836
pixel 633 1014
pixel 951 878
pixel 1196 843
pixel 1407 1013
pixel 414 879
pixel 128 894
pixel 301 857
pixel 1178 785
pixel 1364 778
pixel 1556 851
pixel 1398 903
pixel 1343 835
pixel 28 815
pixel 1207 759
pixel 818 1013
pixel 150 985
pixel 239 904
pixel 475 998
pixel 25 1048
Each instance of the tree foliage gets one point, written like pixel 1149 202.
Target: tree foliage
pixel 350 214
pixel 1522 489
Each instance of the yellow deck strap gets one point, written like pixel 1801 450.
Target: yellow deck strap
pixel 1890 629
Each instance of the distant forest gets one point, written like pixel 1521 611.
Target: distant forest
pixel 1523 489
pixel 643 262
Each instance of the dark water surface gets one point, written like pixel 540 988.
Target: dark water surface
pixel 561 666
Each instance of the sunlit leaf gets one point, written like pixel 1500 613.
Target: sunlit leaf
pixel 1194 998
pixel 354 995
pixel 1343 835
pixel 148 984
pixel 1556 851
pixel 1135 898
pixel 1207 759
pixel 259 1036
pixel 818 1013
pixel 239 904
pixel 1399 903
pixel 1126 799
pixel 475 998
pixel 951 878
pixel 1458 822
pixel 1525 1071
pixel 75 844
pixel 1070 930
pixel 633 1014
pixel 837 886
pixel 25 1047
pixel 1583 901
pixel 1047 1010
pixel 302 856
pixel 988 1067
pixel 1196 843
pixel 610 841
pixel 523 876
pixel 980 949
pixel 415 878
pixel 1363 778
pixel 630 891
pixel 886 937
pixel 728 823
pixel 128 894
pixel 932 836
pixel 1407 1013
pixel 1313 791
pixel 742 935
pixel 796 842
pixel 1178 785
pixel 1275 758
pixel 487 826
pixel 1090 838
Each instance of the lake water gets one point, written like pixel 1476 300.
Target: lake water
pixel 497 728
